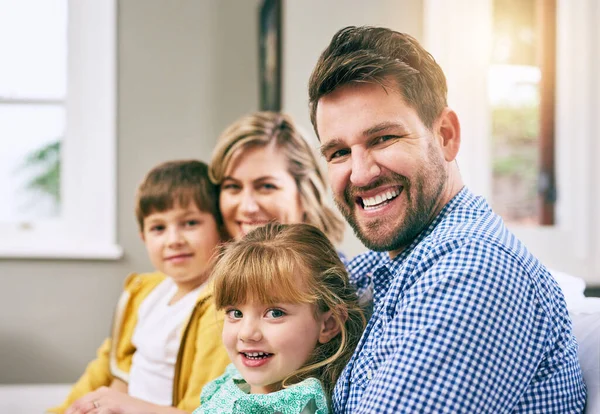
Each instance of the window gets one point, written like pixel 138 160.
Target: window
pixel 459 34
pixel 514 88
pixel 57 123
pixel 32 86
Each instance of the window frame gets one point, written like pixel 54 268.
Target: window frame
pixel 572 245
pixel 87 226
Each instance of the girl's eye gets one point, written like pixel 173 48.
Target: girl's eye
pixel 234 314
pixel 275 313
pixel 192 223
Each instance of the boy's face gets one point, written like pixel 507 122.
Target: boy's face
pixel 180 243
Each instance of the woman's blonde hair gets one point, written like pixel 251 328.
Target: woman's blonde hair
pixel 294 263
pixel 264 128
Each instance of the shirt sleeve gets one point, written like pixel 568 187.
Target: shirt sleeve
pixel 468 336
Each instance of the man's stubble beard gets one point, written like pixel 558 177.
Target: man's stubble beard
pixel 385 235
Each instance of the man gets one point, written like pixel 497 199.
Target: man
pixel 465 318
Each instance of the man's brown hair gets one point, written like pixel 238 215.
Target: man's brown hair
pixel 177 183
pixel 372 54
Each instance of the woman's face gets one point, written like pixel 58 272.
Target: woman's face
pixel 257 188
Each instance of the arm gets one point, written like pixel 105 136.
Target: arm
pixel 119 385
pixel 112 401
pixel 467 337
pixel 209 361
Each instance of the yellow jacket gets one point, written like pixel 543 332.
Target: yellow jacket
pixel 201 358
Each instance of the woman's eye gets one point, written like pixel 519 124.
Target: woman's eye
pixel 230 186
pixel 275 313
pixel 267 186
pixel 234 314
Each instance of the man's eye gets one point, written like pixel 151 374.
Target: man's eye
pixel 384 138
pixel 234 313
pixel 275 313
pixel 339 154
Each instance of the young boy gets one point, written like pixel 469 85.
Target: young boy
pixel 166 338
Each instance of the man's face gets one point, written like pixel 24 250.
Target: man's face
pixel 386 168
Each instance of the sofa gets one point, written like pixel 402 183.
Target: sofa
pixel 585 314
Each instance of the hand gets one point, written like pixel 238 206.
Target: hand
pixel 104 411
pixel 108 401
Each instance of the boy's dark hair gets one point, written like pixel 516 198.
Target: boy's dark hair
pixel 370 54
pixel 177 182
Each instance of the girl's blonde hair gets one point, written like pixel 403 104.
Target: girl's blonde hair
pixel 264 128
pixel 294 263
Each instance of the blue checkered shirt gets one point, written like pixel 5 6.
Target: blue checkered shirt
pixel 465 320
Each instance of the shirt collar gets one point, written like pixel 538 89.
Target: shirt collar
pixel 463 197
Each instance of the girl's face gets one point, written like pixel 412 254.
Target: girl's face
pixel 268 343
pixel 257 188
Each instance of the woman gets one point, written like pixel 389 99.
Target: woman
pixel 266 172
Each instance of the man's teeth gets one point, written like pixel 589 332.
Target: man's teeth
pixel 380 198
pixel 256 355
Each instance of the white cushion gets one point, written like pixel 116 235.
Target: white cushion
pixel 571 286
pixel 586 326
pixel 31 398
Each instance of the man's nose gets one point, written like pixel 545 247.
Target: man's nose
pixel 364 168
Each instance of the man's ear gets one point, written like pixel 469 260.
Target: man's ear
pixel 447 128
pixel 330 327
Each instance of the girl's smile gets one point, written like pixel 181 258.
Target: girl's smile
pixel 254 359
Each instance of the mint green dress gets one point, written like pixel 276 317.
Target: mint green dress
pixel 229 394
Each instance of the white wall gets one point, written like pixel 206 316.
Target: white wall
pixel 308 26
pixel 186 69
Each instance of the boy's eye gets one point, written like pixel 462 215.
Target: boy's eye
pixel 192 223
pixel 275 313
pixel 157 228
pixel 234 314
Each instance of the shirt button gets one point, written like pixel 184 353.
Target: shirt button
pixel 369 374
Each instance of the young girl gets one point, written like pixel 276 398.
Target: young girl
pixel 292 322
